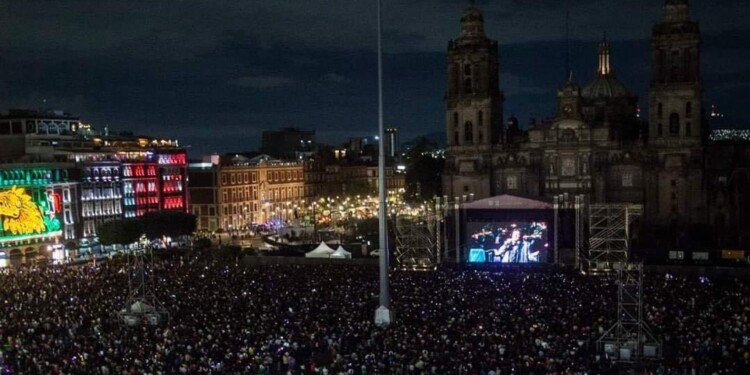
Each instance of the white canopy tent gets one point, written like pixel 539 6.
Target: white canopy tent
pixel 322 251
pixel 341 253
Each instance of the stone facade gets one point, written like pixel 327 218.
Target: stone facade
pixel 596 145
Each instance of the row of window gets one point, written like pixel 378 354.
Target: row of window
pixel 105 208
pixel 138 171
pixel 173 202
pixel 141 201
pixel 674 127
pixel 232 178
pixel 180 159
pixel 41 127
pixel 130 188
pixel 172 187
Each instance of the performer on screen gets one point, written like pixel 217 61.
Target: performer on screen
pixel 517 249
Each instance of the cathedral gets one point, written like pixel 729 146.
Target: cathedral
pixel 596 145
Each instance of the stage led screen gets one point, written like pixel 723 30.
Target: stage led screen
pixel 507 242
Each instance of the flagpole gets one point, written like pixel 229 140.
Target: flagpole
pixel 383 313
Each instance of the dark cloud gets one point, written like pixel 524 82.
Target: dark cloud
pixel 216 72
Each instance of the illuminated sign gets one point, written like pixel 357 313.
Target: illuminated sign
pixel 22 216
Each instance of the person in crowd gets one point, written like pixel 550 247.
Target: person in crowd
pixel 227 318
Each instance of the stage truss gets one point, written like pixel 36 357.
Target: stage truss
pixel 417 241
pixel 142 306
pixel 609 234
pixel 629 339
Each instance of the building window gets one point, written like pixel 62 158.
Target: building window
pixel 659 130
pixel 674 124
pixel 480 119
pixel 466 188
pixel 674 183
pixel 468 132
pixel 688 109
pixel 512 182
pixel 688 130
pixel 627 179
pixel 660 110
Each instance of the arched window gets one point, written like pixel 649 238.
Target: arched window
pixel 676 66
pixel 469 132
pixel 688 109
pixel 480 119
pixel 674 124
pixel 660 110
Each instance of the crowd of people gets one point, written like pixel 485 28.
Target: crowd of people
pixel 228 318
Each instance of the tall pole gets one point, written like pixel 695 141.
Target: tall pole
pixel 383 313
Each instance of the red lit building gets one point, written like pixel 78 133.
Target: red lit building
pixel 172 180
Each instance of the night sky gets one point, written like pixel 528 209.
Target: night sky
pixel 215 73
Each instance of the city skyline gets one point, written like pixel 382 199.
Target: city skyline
pixel 167 69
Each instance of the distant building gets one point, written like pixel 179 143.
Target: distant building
pixel 24 132
pixel 288 143
pixel 595 145
pixel 80 180
pixel 204 195
pixel 392 146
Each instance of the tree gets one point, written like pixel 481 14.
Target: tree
pixel 119 231
pixel 168 223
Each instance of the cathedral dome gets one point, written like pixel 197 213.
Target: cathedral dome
pixel 605 87
pixel 605 84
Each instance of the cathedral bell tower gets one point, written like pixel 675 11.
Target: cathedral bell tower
pixel 675 90
pixel 474 108
pixel 674 191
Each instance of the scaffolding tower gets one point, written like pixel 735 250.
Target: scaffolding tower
pixel 141 306
pixel 609 234
pixel 629 340
pixel 417 240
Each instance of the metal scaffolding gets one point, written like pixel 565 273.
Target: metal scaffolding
pixel 609 234
pixel 629 339
pixel 142 306
pixel 417 239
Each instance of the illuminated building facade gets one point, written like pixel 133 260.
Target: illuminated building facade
pixel 153 180
pixel 38 208
pixel 140 182
pixel 101 194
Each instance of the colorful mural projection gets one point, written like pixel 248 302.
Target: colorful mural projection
pixel 20 215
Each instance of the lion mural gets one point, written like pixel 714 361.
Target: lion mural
pixel 19 214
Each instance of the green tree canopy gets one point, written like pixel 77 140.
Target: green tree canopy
pixel 119 231
pixel 167 223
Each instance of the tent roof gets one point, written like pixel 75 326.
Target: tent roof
pixel 507 202
pixel 341 250
pixel 322 248
pixel 341 253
